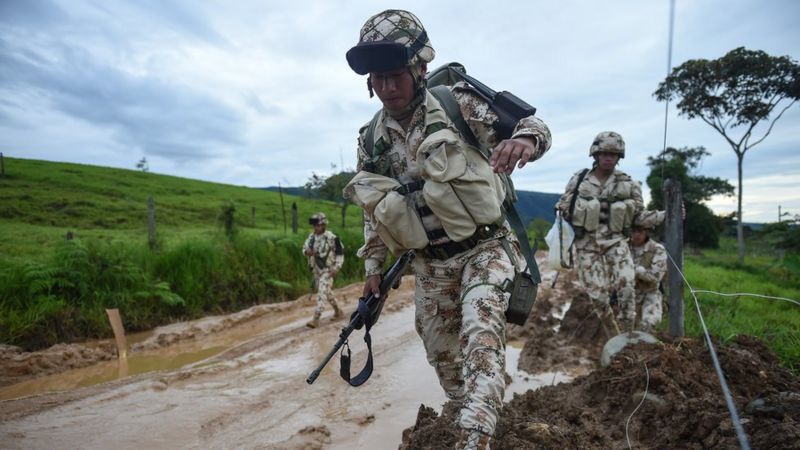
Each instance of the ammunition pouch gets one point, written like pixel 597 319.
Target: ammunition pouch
pixel 460 188
pixel 523 290
pixel 395 219
pixel 586 214
pixel 620 216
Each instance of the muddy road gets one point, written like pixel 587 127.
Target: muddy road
pixel 238 381
pixel 245 389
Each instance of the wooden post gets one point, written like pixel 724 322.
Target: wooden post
pixel 253 214
pixel 294 217
pixel 344 213
pixel 119 332
pixel 151 224
pixel 2 166
pixel 283 209
pixel 673 241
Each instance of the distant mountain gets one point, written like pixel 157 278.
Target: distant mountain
pixel 531 205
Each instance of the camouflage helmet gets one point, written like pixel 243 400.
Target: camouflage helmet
pixel 390 40
pixel 649 220
pixel 318 219
pixel 608 141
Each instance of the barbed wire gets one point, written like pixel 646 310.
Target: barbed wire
pixel 737 424
pixel 644 396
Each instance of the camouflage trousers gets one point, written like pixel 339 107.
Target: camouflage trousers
pixel 460 316
pixel 324 292
pixel 608 272
pixel 650 304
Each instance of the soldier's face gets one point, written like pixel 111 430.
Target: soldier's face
pixel 395 88
pixel 638 236
pixel 319 228
pixel 606 160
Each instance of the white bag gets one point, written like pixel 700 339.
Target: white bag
pixel 559 242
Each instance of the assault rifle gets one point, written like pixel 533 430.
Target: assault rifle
pixel 369 309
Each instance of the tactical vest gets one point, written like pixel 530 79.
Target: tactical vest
pixel 616 211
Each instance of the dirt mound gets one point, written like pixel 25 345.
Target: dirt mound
pixel 683 405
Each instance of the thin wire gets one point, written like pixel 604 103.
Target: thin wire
pixel 646 387
pixel 745 294
pixel 740 434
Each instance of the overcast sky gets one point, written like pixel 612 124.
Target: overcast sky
pixel 258 93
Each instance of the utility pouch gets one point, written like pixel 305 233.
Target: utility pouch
pixel 523 293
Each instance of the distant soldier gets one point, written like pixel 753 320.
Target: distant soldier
pixel 325 257
pixel 601 203
pixel 650 260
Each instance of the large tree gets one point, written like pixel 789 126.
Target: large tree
pixel 733 94
pixel 702 226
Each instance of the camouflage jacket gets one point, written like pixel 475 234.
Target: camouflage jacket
pixel 591 187
pixel 328 251
pixel 399 149
pixel 650 261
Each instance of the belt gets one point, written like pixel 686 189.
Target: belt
pixel 450 249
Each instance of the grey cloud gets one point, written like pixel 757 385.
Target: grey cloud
pixel 34 12
pixel 161 118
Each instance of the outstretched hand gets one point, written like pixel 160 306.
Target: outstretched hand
pixel 512 153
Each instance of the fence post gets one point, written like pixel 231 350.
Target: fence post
pixel 673 241
pixel 253 214
pixel 294 217
pixel 283 209
pixel 151 223
pixel 2 166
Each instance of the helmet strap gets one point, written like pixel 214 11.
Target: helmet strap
pixel 369 86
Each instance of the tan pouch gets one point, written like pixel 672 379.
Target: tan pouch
pixel 395 219
pixel 587 214
pixel 616 216
pixel 461 188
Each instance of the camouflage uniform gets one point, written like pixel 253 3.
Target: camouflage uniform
pixel 604 262
pixel 650 260
pixel 327 259
pixel 460 307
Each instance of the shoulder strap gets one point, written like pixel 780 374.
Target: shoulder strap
pixel 369 138
pixel 453 111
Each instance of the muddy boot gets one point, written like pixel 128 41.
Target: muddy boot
pixel 472 440
pixel 314 323
pixel 337 313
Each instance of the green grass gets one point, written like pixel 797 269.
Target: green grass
pixel 776 322
pixel 54 290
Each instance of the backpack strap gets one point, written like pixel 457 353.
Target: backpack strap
pixel 453 111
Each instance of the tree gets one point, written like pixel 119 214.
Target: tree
pixel 733 94
pixel 142 165
pixel 702 226
pixel 330 188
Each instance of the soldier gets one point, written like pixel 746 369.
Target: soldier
pixel 462 258
pixel 601 204
pixel 325 257
pixel 650 260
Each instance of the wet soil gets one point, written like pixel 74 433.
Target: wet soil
pixel 245 387
pixel 664 395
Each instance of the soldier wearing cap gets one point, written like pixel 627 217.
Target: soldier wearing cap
pixel 416 151
pixel 601 203
pixel 325 257
pixel 650 261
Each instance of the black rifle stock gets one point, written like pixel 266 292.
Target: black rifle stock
pixel 390 279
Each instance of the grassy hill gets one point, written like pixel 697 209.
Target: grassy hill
pixel 56 290
pixel 41 201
